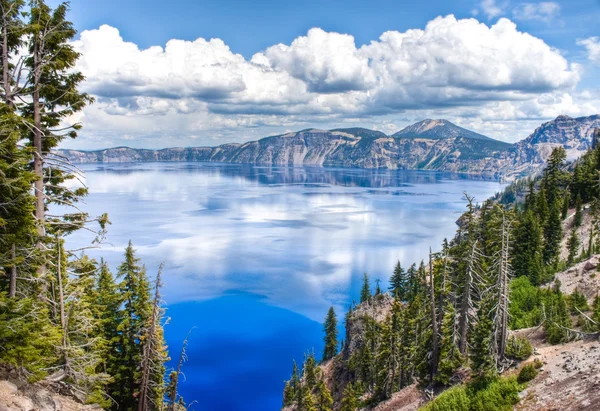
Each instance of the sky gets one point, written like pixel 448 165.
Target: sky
pixel 195 73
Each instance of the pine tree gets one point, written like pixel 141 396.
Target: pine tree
pixel 365 291
pixel 324 398
pixel 565 207
pixel 528 249
pixel 553 234
pixel 309 369
pixel 450 357
pixel 349 399
pixel 399 283
pixel 573 247
pixel 134 317
pixel 307 402
pixel 331 334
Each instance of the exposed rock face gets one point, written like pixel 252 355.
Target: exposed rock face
pixel 428 145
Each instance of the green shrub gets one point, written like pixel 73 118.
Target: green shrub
pixel 453 399
pixel 527 373
pixel 499 395
pixel 537 363
pixel 518 348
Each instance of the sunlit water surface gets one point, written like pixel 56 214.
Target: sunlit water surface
pixel 254 256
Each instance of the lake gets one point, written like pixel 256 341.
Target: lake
pixel 254 256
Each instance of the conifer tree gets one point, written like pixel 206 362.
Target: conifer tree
pixel 553 234
pixel 365 291
pixel 573 247
pixel 324 398
pixel 137 309
pixel 349 399
pixel 309 370
pixel 528 249
pixel 399 283
pixel 450 357
pixel 565 207
pixel 331 334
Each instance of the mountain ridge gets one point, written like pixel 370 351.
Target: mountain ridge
pixel 427 145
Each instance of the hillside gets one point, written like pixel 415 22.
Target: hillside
pixel 506 314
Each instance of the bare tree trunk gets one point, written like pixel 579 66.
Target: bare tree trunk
pixel 147 348
pixel 175 381
pixel 463 320
pixel 503 290
pixel 434 322
pixel 38 159
pixel 61 302
pixel 12 287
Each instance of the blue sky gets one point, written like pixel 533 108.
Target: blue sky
pixel 498 67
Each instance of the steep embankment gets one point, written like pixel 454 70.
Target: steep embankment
pixel 18 395
pixel 428 145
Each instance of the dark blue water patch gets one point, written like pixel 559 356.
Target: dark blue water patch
pixel 240 351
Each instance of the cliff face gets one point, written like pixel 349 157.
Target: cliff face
pixel 428 145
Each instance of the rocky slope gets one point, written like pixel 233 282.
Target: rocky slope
pixel 428 145
pixel 16 394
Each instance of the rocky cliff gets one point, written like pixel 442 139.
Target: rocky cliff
pixel 429 145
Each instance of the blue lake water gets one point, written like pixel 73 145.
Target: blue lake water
pixel 254 256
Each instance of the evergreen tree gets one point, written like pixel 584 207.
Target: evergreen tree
pixel 309 369
pixel 365 291
pixel 324 398
pixel 528 249
pixel 137 308
pixel 565 207
pixel 450 357
pixel 331 334
pixel 573 247
pixel 553 234
pixel 399 283
pixel 307 402
pixel 349 399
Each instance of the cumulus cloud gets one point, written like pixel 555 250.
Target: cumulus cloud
pixel 491 9
pixel 543 11
pixel 201 88
pixel 592 45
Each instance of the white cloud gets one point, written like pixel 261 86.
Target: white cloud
pixel 203 91
pixel 491 9
pixel 543 11
pixel 592 45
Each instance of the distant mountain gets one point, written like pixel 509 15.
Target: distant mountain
pixel 574 134
pixel 438 130
pixel 428 145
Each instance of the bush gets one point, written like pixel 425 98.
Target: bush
pixel 453 399
pixel 518 348
pixel 499 395
pixel 527 373
pixel 538 364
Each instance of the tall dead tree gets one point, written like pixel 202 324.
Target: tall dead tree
pixel 153 348
pixel 174 377
pixel 502 290
pixel 435 332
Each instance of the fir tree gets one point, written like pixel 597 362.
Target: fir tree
pixel 528 249
pixel 573 247
pixel 365 291
pixel 324 398
pixel 331 334
pixel 553 234
pixel 565 207
pixel 399 283
pixel 349 399
pixel 309 370
pixel 450 357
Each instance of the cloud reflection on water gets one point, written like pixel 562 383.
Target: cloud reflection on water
pixel 302 237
